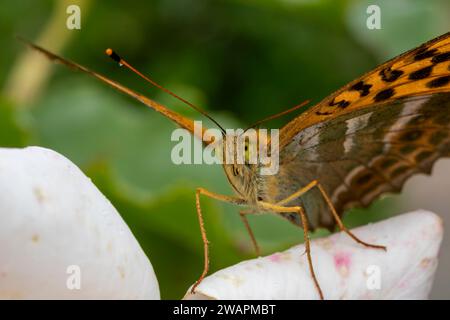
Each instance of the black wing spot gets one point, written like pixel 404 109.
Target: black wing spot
pixel 326 113
pixel 364 179
pixel 388 163
pixel 421 73
pixel 363 88
pixel 441 57
pixel 423 155
pixel 407 149
pixel 417 120
pixel 400 170
pixel 438 82
pixel 411 135
pixel 384 95
pixel 424 53
pixel 389 75
pixel 341 104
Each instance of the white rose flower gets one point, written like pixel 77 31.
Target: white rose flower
pixel 60 238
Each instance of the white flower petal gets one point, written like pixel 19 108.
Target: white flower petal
pixel 345 269
pixel 55 225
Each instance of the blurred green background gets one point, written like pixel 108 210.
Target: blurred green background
pixel 240 60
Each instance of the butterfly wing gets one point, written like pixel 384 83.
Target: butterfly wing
pixel 422 70
pixel 369 137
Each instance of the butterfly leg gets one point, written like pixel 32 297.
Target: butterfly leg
pixel 243 215
pixel 336 217
pixel 341 224
pixel 301 213
pixel 216 196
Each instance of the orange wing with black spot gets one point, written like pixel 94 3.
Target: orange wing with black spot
pixel 370 136
pixel 420 71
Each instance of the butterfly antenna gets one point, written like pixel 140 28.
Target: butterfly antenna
pixel 113 55
pixel 280 114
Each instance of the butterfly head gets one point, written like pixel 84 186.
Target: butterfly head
pixel 241 163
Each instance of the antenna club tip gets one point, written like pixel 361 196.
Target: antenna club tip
pixel 113 55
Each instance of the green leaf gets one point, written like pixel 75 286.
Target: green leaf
pixel 12 132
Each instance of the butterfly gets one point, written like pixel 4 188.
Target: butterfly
pixel 362 141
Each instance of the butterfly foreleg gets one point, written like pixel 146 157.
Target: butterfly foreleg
pixel 342 227
pixel 298 210
pixel 216 196
pixel 243 214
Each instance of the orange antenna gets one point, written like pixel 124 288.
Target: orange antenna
pixel 282 113
pixel 113 55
